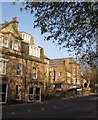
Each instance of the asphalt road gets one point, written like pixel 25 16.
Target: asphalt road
pixel 78 107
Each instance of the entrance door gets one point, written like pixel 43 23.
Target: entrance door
pixel 31 94
pixel 3 93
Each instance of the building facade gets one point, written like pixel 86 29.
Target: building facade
pixel 65 74
pixel 26 74
pixel 22 65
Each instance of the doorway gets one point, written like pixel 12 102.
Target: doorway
pixel 3 93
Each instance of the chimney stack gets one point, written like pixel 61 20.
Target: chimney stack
pixel 15 22
pixel 5 22
pixel 14 19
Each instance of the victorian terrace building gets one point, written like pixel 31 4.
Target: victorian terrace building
pixel 22 65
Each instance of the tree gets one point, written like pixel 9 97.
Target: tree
pixel 73 25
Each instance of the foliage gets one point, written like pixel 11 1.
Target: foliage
pixel 73 25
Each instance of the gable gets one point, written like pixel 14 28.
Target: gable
pixel 10 29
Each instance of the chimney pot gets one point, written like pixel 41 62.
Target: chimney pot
pixel 5 22
pixel 14 19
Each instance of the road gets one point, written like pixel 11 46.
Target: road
pixel 73 107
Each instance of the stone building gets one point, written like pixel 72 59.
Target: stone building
pixel 22 65
pixel 26 74
pixel 65 74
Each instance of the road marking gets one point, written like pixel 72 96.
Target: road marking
pixel 94 98
pixel 43 109
pixel 55 107
pixel 12 113
pixel 29 110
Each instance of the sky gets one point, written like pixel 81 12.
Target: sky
pixel 26 24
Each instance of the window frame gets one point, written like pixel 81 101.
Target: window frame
pixel 10 44
pixel 19 70
pixel 3 67
pixel 1 41
pixel 18 91
pixel 60 73
pixel 34 73
pixel 34 50
pixel 16 46
pixel 5 45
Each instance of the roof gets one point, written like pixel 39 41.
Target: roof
pixel 5 24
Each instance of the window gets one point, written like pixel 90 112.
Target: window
pixel 23 36
pixel 68 74
pixel 5 42
pixel 11 44
pixel 74 80
pixel 18 92
pixel 34 73
pixel 2 67
pixel 0 40
pixel 3 93
pixel 16 45
pixel 34 50
pixel 30 90
pixel 26 37
pixel 19 69
pixel 60 73
pixel 57 85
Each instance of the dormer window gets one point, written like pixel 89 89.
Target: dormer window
pixel 34 50
pixel 26 37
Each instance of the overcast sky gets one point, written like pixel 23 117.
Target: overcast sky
pixel 26 24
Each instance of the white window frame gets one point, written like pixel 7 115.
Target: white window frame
pixel 3 67
pixel 68 74
pixel 10 44
pixel 6 93
pixel 26 37
pixel 34 73
pixel 19 70
pixel 60 73
pixel 34 50
pixel 16 48
pixel 5 45
pixel 1 41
